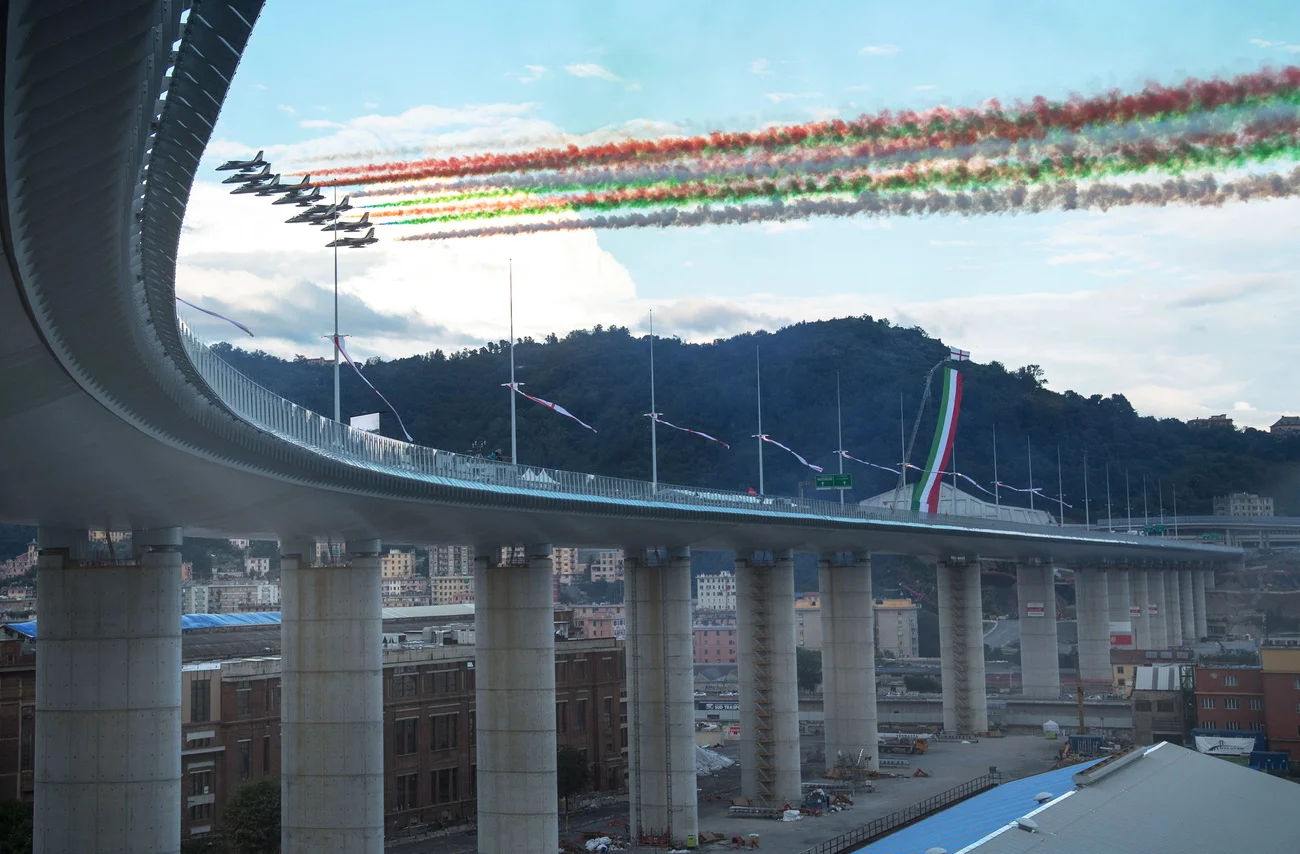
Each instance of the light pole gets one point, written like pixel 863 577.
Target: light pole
pixel 758 368
pixel 839 426
pixel 654 413
pixel 337 413
pixel 514 434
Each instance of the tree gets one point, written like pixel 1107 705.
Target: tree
pixel 573 775
pixel 251 819
pixel 205 844
pixel 808 667
pixel 15 827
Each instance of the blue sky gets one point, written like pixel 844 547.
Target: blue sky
pixel 1187 312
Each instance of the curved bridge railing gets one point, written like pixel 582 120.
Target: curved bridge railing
pixel 293 423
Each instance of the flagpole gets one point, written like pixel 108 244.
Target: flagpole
pixel 953 460
pixel 997 485
pixel 899 491
pixel 758 374
pixel 1110 513
pixel 1087 509
pixel 1173 492
pixel 1146 516
pixel 839 429
pixel 1060 491
pixel 1128 502
pixel 1029 445
pixel 1160 487
pixel 514 432
pixel 654 413
pixel 337 415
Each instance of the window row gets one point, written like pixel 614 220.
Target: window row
pixel 403 685
pixel 1255 704
pixel 444 787
pixel 444 733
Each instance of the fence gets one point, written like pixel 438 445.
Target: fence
pixel 293 423
pixel 887 824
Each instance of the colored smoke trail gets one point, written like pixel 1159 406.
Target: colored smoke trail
pixel 1019 198
pixel 1129 160
pixel 883 134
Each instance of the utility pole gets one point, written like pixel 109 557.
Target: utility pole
pixel 654 413
pixel 1110 514
pixel 839 430
pixel 1128 502
pixel 997 481
pixel 1030 448
pixel 758 374
pixel 1173 491
pixel 337 413
pixel 514 433
pixel 1087 510
pixel 1060 490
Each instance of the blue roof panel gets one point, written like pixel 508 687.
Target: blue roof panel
pixel 188 621
pixel 974 818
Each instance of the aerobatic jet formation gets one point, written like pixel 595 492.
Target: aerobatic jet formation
pixel 303 197
pixel 243 165
pixel 250 177
pixel 353 242
pixel 262 188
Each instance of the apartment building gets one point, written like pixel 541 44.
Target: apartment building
pixel 716 592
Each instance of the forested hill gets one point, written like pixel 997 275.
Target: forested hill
pixel 602 376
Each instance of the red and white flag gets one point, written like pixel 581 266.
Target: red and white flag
pixel 958 355
pixel 846 455
pixel 234 323
pixel 554 406
pixel 338 342
pixel 654 416
pixel 772 441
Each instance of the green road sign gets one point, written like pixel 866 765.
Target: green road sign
pixel 834 481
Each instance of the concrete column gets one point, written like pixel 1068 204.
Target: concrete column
pixel 514 664
pixel 848 660
pixel 1093 616
pixel 769 688
pixel 1039 664
pixel 660 698
pixel 961 648
pixel 108 696
pixel 1174 595
pixel 1198 597
pixel 1157 608
pixel 1188 597
pixel 1117 592
pixel 332 717
pixel 1139 598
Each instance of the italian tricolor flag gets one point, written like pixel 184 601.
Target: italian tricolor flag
pixel 925 494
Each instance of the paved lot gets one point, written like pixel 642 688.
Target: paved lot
pixel 949 764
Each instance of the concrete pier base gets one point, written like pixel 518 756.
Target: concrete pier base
pixel 961 648
pixel 332 716
pixel 1093 625
pixel 660 697
pixel 1198 595
pixel 1039 663
pixel 769 688
pixel 514 663
pixel 108 696
pixel 1139 601
pixel 1174 598
pixel 1187 595
pixel 1117 593
pixel 1159 607
pixel 848 660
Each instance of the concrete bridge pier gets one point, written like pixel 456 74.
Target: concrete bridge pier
pixel 769 687
pixel 514 665
pixel 1093 612
pixel 848 659
pixel 1139 600
pixel 660 696
pixel 1040 666
pixel 332 716
pixel 108 695
pixel 1174 597
pixel 1188 597
pixel 961 647
pixel 1117 592
pixel 1199 579
pixel 1159 608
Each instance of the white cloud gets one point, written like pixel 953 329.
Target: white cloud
pixel 951 242
pixel 535 73
pixel 760 67
pixel 1079 258
pixel 860 87
pixel 285 108
pixel 779 97
pixel 1265 43
pixel 259 86
pixel 319 123
pixel 879 50
pixel 821 114
pixel 1242 406
pixel 924 87
pixel 786 227
pixel 590 69
pixel 370 105
pixel 632 87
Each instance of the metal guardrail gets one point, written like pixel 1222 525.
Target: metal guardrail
pixel 887 824
pixel 293 423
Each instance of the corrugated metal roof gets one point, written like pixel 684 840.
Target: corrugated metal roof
pixel 1170 801
pixel 1158 677
pixel 976 817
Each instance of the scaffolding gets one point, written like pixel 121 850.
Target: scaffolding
pixel 760 605
pixel 960 649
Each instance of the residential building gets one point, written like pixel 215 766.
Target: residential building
pixel 330 553
pixel 1230 698
pixel 564 563
pixel 1124 664
pixel 451 560
pixel 1287 425
pixel 405 591
pixel 808 621
pixel 451 589
pixel 239 543
pixel 1243 504
pixel 715 644
pixel 897 627
pixel 229 597
pixel 1163 703
pixel 257 567
pixel 194 598
pixel 1214 422
pixel 1280 670
pixel 716 592
pixel 599 621
pixel 606 565
pixel 397 564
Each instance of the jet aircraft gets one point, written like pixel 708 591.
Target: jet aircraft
pixel 243 165
pixel 250 177
pixel 262 188
pixel 354 242
pixel 352 225
pixel 304 197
